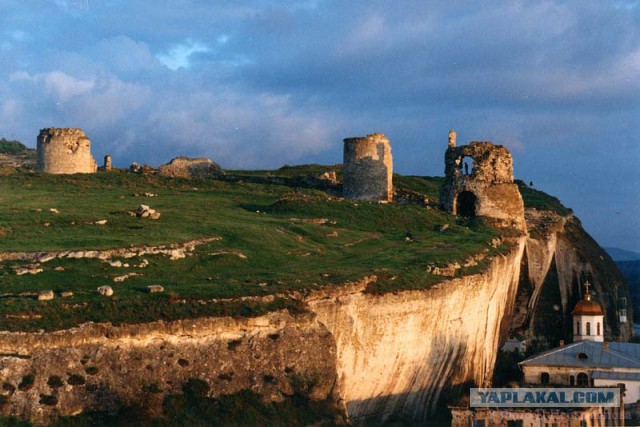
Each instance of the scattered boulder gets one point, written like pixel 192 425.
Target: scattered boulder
pixel 185 167
pixel 152 289
pixel 101 222
pixel 66 294
pixel 135 168
pixel 124 277
pixel 29 269
pixel 145 211
pixel 329 176
pixel 116 263
pixel 105 291
pixel 45 295
pixel 54 211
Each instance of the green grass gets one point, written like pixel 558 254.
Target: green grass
pixel 269 224
pixel 427 185
pixel 12 147
pixel 539 200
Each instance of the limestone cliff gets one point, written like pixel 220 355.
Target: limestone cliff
pixel 406 352
pixel 104 367
pixel 402 353
pixel 559 257
pixel 378 355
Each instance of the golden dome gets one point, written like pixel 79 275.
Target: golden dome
pixel 588 308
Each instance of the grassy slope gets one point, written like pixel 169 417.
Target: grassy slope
pixel 283 254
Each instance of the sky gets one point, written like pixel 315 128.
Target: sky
pixel 263 83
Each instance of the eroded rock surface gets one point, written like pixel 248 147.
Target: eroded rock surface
pixel 103 367
pixel 185 167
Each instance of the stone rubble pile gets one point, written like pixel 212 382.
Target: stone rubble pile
pixel 145 211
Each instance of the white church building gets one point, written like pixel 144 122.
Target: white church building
pixel 589 360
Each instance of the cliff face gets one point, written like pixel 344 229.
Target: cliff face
pixel 402 353
pixel 378 355
pixel 559 257
pixel 103 367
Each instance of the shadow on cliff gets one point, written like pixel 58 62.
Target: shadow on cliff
pixel 445 382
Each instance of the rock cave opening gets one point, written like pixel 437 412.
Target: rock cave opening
pixel 466 204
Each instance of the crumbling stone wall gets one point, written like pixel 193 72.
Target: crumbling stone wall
pixel 479 181
pixel 185 167
pixel 64 150
pixel 368 168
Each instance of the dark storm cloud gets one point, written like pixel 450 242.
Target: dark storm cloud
pixel 262 83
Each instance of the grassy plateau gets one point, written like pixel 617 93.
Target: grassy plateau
pixel 275 235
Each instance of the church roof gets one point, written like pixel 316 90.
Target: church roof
pixel 588 307
pixel 589 354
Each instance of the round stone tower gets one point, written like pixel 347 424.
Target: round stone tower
pixel 368 168
pixel 479 182
pixel 64 150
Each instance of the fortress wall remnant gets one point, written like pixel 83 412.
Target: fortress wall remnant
pixel 186 167
pixel 368 168
pixel 64 150
pixel 479 181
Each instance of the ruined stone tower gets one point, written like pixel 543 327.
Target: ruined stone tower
pixel 479 182
pixel 107 163
pixel 368 168
pixel 64 150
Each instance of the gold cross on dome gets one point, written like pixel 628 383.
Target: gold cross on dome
pixel 587 285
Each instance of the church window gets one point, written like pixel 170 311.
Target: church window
pixel 572 380
pixel 544 378
pixel 578 327
pixel 583 380
pixel 588 328
pixel 598 328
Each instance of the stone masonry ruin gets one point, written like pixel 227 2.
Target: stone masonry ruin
pixel 368 168
pixel 63 151
pixel 185 167
pixel 479 182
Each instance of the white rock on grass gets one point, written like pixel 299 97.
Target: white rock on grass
pixel 45 295
pixel 105 291
pixel 152 289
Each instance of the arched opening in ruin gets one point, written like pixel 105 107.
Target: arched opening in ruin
pixel 467 165
pixel 466 204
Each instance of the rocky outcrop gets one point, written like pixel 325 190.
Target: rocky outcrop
pixel 185 167
pixel 560 256
pixel 104 367
pixel 404 353
pixel 173 250
pixel 378 354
